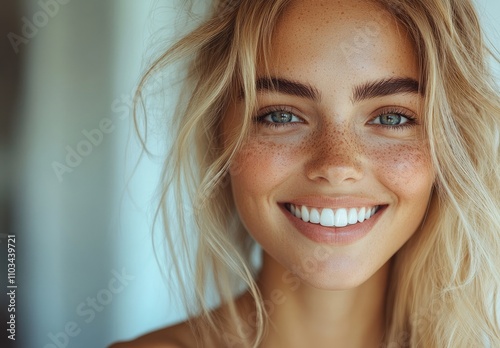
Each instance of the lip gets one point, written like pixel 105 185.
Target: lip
pixel 335 203
pixel 335 235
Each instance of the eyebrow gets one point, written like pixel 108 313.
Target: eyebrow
pixel 289 87
pixel 369 90
pixel 385 87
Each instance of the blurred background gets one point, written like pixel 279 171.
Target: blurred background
pixel 86 272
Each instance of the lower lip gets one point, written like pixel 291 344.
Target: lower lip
pixel 334 235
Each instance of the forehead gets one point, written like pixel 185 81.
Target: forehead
pixel 342 41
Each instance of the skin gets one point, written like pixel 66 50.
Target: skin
pixel 327 294
pixel 332 150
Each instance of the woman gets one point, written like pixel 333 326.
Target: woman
pixel 357 142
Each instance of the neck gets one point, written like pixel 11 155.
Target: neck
pixel 304 316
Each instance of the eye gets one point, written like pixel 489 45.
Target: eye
pixel 393 119
pixel 390 120
pixel 281 117
pixel 278 118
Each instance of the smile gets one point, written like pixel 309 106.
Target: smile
pixel 332 217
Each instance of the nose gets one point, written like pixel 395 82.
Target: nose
pixel 335 157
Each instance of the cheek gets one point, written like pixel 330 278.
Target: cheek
pixel 258 168
pixel 403 168
pixel 260 165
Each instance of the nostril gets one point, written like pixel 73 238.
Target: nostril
pixel 335 155
pixel 334 172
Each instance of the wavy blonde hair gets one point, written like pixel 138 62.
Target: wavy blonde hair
pixel 445 281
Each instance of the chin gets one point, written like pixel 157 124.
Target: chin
pixel 336 277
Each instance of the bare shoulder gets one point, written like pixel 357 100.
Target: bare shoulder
pixel 176 336
pixel 181 335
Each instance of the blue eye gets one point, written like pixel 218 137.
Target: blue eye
pixel 393 119
pixel 278 118
pixel 281 117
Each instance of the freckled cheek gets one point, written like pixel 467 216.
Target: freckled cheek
pixel 405 169
pixel 261 165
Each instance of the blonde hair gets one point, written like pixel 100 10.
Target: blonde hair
pixel 445 280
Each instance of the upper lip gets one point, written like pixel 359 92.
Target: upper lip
pixel 334 202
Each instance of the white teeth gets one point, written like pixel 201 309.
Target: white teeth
pixel 305 214
pixel 367 215
pixel 297 213
pixel 352 217
pixel 361 214
pixel 328 217
pixel 341 218
pixel 314 216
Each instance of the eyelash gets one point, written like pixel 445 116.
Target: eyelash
pixel 260 118
pixel 411 120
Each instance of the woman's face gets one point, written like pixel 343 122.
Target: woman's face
pixel 338 137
